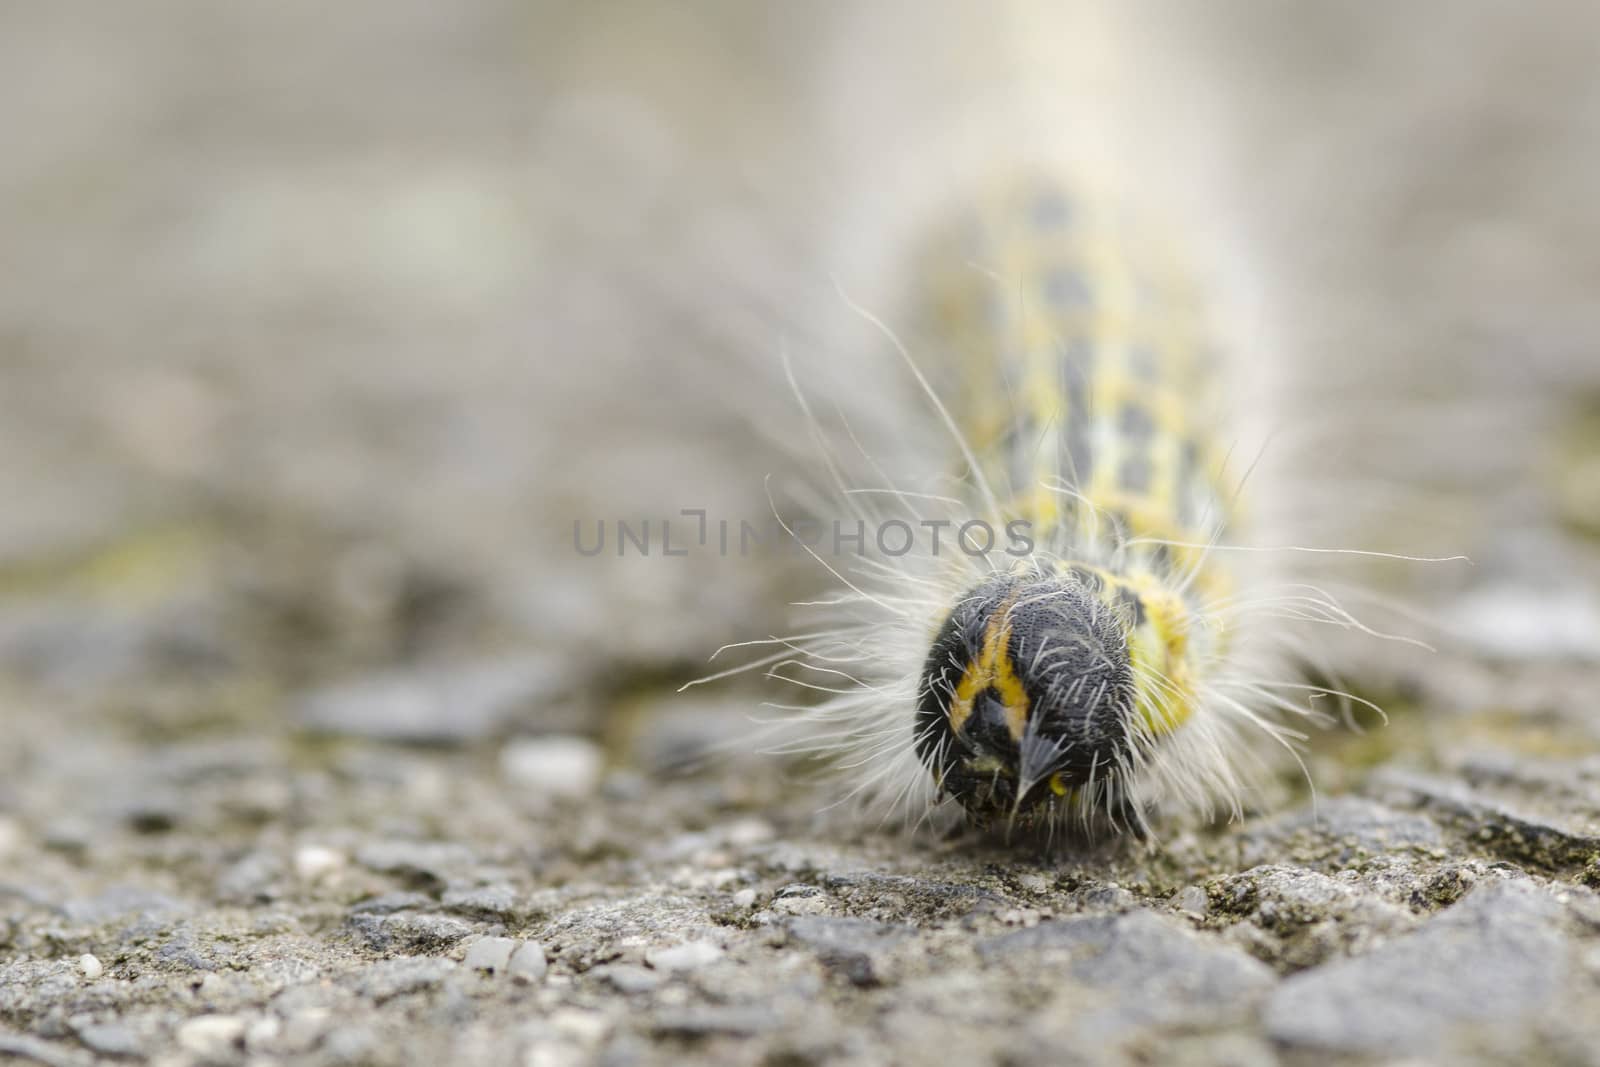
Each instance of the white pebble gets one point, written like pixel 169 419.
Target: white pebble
pixel 528 962
pixel 314 862
pixel 91 966
pixel 690 956
pixel 491 954
pixel 1193 900
pixel 1035 883
pixel 811 905
pixel 749 832
pixel 744 898
pixel 212 1036
pixel 557 766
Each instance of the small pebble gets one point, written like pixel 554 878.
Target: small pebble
pixel 628 978
pixel 747 832
pixel 212 1036
pixel 111 1039
pixel 556 766
pixel 91 967
pixel 744 898
pixel 690 956
pixel 495 901
pixel 1193 900
pixel 312 863
pixel 527 962
pixel 492 954
pixel 801 905
pixel 1035 883
pixel 68 834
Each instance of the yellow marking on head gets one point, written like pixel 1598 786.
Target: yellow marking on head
pixel 993 668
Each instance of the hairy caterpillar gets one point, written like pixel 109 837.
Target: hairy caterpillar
pixel 1063 682
pixel 1109 671
pixel 1138 659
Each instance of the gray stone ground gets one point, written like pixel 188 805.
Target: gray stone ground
pixel 318 746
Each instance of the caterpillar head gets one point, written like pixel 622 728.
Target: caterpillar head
pixel 1028 695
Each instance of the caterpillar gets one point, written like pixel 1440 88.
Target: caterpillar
pixel 1092 666
pixel 1069 678
pixel 1076 628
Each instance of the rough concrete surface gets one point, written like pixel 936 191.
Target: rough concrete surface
pixel 319 745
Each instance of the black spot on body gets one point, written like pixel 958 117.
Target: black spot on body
pixel 1066 289
pixel 1077 361
pixel 1135 421
pixel 1188 483
pixel 1077 459
pixel 1144 363
pixel 1076 454
pixel 1133 475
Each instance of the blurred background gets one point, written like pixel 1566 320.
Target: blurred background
pixel 322 324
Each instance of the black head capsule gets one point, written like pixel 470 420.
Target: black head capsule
pixel 1027 694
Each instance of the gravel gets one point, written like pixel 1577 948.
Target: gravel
pixel 1376 930
pixel 1498 960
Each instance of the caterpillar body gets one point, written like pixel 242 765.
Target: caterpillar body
pixel 1061 680
pixel 1100 677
